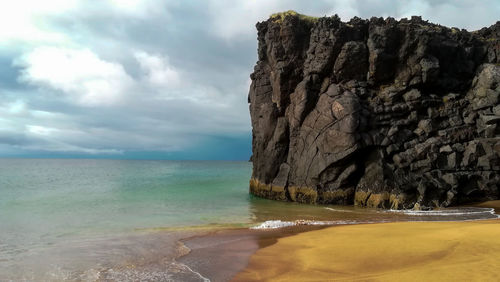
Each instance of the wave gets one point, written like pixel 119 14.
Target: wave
pixel 460 214
pixel 274 224
pixel 456 212
pixel 337 210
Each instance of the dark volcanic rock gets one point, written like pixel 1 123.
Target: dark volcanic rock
pixel 379 112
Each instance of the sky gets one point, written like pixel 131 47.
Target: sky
pixel 152 79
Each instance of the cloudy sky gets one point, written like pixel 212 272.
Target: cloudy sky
pixel 151 78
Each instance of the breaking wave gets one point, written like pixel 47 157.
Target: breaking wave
pixel 476 212
pixel 273 224
pixel 457 214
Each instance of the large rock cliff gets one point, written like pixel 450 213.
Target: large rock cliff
pixel 378 113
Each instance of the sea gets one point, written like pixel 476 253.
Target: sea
pixel 126 220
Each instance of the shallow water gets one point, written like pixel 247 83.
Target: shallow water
pixel 52 211
pixel 120 220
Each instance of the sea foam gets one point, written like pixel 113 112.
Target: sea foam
pixel 489 212
pixel 274 224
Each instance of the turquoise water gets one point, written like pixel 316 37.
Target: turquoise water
pixel 54 198
pixel 75 216
pixel 46 203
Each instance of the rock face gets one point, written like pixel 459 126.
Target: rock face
pixel 377 113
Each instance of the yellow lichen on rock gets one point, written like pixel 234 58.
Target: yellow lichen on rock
pixel 303 194
pixel 360 198
pixel 396 201
pixel 337 196
pixel 267 190
pixel 378 200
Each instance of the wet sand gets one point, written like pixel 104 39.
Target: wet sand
pixel 490 204
pixel 139 256
pixel 219 256
pixel 400 251
pixel 248 254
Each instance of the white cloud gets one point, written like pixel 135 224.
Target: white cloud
pixel 78 73
pixel 466 14
pixel 24 20
pixel 345 9
pixel 17 107
pixel 40 130
pixel 157 69
pixel 231 19
pixel 139 8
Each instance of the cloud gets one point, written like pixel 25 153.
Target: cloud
pixel 165 78
pixel 247 12
pixel 157 70
pixel 137 8
pixel 21 20
pixel 78 73
pixel 468 14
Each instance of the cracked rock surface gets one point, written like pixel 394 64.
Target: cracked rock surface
pixel 377 113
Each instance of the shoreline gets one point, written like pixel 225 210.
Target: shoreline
pixel 404 251
pixel 230 254
pixel 220 254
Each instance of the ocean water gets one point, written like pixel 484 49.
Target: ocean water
pixel 93 219
pixel 49 199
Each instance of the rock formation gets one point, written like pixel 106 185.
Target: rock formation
pixel 378 113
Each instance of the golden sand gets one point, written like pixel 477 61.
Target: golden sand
pixel 401 251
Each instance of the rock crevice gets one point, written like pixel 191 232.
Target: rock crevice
pixel 378 112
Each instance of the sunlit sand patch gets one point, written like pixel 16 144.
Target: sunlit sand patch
pixel 401 251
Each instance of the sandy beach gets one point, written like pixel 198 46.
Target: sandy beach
pixel 400 251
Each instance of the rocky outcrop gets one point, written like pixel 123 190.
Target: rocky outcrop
pixel 378 113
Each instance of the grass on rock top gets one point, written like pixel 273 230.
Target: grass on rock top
pixel 280 17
